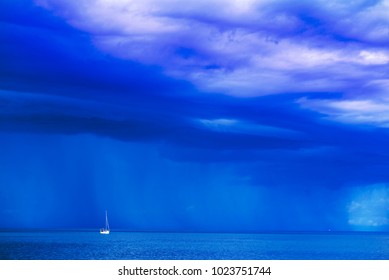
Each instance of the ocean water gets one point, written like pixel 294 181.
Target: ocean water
pixel 77 245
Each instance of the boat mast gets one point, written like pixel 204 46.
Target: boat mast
pixel 106 220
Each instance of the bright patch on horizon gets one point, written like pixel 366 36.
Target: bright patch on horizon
pixel 369 207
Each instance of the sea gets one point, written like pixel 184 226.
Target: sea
pixel 88 245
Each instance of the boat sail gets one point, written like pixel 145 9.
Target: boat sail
pixel 105 230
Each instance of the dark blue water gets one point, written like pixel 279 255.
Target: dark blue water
pixel 199 246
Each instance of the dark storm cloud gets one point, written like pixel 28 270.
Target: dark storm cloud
pixel 171 120
pixel 283 118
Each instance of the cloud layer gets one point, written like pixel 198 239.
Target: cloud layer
pixel 239 108
pixel 246 48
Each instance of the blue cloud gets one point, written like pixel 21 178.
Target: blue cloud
pixel 212 120
pixel 309 46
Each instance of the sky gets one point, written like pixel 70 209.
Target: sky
pixel 213 116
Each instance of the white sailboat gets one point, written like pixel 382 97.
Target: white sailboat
pixel 105 230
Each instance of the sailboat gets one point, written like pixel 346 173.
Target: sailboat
pixel 105 230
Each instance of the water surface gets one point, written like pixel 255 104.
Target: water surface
pixel 78 245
